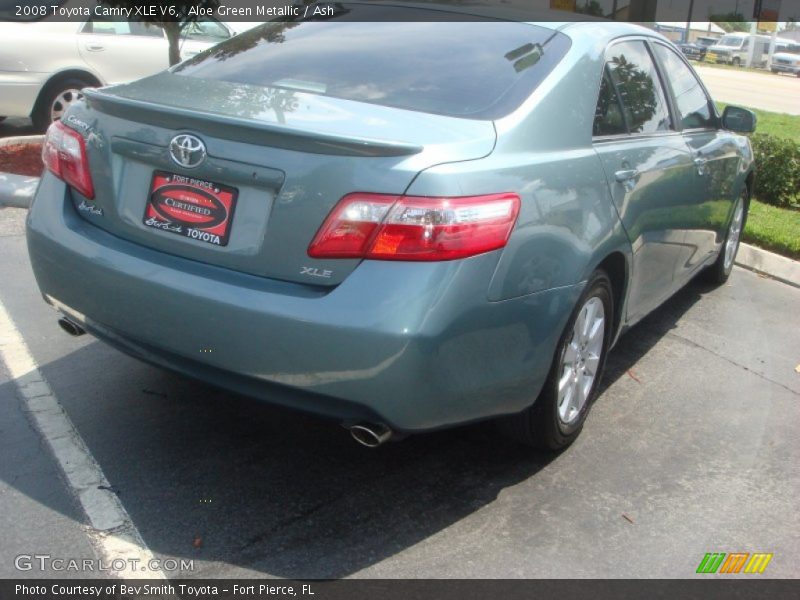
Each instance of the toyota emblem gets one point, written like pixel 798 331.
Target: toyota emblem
pixel 187 150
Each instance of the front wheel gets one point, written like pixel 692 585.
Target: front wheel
pixel 557 416
pixel 719 272
pixel 737 62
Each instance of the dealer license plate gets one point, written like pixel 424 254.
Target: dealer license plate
pixel 194 208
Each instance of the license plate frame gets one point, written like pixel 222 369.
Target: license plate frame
pixel 194 208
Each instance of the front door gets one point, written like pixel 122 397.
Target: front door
pixel 706 210
pixel 649 169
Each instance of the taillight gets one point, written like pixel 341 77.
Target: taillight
pixel 386 227
pixel 64 154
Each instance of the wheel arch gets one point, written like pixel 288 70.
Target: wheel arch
pixel 60 76
pixel 617 266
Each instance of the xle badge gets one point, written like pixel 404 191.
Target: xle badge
pixel 315 272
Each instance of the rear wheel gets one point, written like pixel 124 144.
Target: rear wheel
pixel 558 415
pixel 736 62
pixel 55 99
pixel 719 272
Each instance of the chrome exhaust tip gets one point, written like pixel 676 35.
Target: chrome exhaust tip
pixel 371 435
pixel 71 327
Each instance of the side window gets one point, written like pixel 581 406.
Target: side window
pixel 693 105
pixel 146 29
pixel 608 119
pixel 101 26
pixel 206 31
pixel 634 74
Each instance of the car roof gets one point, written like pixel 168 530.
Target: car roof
pixel 571 23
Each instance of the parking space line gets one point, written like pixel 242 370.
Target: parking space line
pixel 112 532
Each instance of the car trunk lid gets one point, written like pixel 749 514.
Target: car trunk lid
pixel 287 156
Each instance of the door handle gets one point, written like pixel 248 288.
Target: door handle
pixel 95 47
pixel 626 175
pixel 701 163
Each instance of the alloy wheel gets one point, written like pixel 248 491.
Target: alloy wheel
pixel 734 234
pixel 63 101
pixel 581 360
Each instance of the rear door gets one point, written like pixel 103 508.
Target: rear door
pixel 648 166
pixel 123 51
pixel 705 209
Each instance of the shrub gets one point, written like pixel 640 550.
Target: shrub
pixel 777 170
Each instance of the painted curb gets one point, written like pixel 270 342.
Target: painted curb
pixel 774 265
pixel 21 139
pixel 17 190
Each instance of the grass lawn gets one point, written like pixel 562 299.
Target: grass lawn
pixel 773 228
pixel 769 227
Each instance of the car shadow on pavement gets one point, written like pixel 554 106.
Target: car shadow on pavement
pixel 219 478
pixel 638 340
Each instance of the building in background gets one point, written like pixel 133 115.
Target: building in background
pixel 697 29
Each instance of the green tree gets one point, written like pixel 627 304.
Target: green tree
pixel 731 21
pixel 590 7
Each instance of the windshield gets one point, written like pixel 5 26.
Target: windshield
pixel 731 41
pixel 480 70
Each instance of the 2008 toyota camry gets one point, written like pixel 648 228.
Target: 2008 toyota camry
pixel 403 226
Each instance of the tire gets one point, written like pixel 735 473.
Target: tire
pixel 736 62
pixel 552 422
pixel 57 95
pixel 719 272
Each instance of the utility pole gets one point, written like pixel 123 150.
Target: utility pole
pixel 751 50
pixel 688 30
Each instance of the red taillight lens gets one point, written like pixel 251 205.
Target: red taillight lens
pixel 351 226
pixel 64 154
pixel 415 228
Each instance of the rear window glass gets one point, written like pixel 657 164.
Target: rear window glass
pixel 481 70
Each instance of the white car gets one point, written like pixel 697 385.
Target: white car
pixel 787 61
pixel 45 64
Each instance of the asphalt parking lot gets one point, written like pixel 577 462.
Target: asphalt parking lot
pixel 691 448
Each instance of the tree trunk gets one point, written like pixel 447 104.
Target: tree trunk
pixel 173 32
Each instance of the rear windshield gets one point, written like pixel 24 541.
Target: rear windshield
pixel 479 70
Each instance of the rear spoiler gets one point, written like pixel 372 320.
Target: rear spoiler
pixel 249 131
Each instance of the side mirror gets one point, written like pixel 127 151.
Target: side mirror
pixel 739 119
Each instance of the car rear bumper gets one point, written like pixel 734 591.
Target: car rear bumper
pixel 414 345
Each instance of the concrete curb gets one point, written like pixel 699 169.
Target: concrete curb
pixel 18 190
pixel 768 263
pixel 20 139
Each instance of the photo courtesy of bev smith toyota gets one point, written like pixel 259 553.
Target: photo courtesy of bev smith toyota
pixel 404 226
